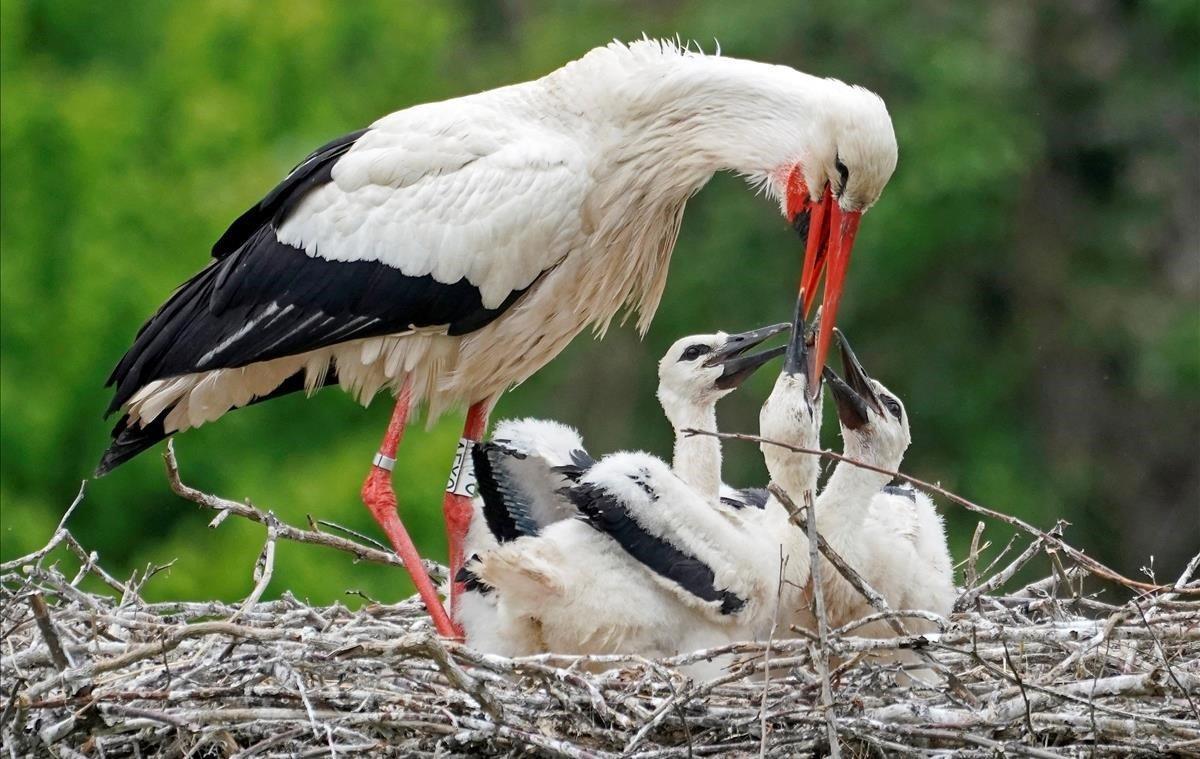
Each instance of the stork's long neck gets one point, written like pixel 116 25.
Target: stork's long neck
pixel 697 459
pixel 846 499
pixel 698 113
pixel 659 122
pixel 794 472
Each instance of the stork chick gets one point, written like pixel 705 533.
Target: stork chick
pixel 561 586
pixel 521 474
pixel 694 374
pixel 791 415
pixel 892 536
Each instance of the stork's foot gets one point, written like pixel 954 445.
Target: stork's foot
pixel 380 500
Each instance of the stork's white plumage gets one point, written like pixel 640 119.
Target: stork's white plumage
pixel 451 249
pixel 892 536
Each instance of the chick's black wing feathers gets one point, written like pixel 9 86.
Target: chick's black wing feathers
pixel 605 512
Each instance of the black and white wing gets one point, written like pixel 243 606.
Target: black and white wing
pixel 744 498
pixel 686 545
pixel 521 474
pixel 437 218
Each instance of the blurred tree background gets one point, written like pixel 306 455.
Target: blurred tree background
pixel 1030 282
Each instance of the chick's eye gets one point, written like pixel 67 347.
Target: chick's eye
pixel 694 352
pixel 892 405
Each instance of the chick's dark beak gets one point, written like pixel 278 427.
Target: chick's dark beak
pixel 733 358
pixel 851 408
pixel 855 395
pixel 795 361
pixel 856 376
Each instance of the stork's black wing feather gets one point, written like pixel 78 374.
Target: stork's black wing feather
pixel 581 462
pixel 270 300
pixel 471 581
pixel 262 299
pixel 313 171
pixel 604 511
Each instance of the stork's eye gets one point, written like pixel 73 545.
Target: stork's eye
pixel 693 352
pixel 892 405
pixel 844 172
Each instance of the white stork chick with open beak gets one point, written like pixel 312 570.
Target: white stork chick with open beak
pixel 450 250
pixel 695 373
pixel 525 471
pixel 892 536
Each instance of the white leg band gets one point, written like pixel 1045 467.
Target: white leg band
pixel 462 471
pixel 384 462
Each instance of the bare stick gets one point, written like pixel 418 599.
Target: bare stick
pixel 46 626
pixel 971 576
pixel 264 569
pixel 283 530
pixel 822 628
pixel 1187 692
pixel 60 534
pixel 1000 578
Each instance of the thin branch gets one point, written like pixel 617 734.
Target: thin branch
pixel 818 602
pixel 284 531
pixel 1093 566
pixel 60 534
pixel 49 634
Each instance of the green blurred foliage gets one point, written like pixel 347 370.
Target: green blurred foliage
pixel 1030 282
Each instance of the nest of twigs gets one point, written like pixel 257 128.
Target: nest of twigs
pixel 1083 662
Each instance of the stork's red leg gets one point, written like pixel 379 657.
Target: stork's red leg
pixel 380 499
pixel 459 491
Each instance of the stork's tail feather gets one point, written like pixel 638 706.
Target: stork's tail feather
pixel 129 441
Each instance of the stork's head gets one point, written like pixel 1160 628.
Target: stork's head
pixel 827 187
pixel 792 413
pixel 699 370
pixel 873 420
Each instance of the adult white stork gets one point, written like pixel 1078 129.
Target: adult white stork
pixel 450 250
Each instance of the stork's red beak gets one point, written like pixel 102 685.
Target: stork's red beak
pixel 815 248
pixel 843 226
pixel 829 233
